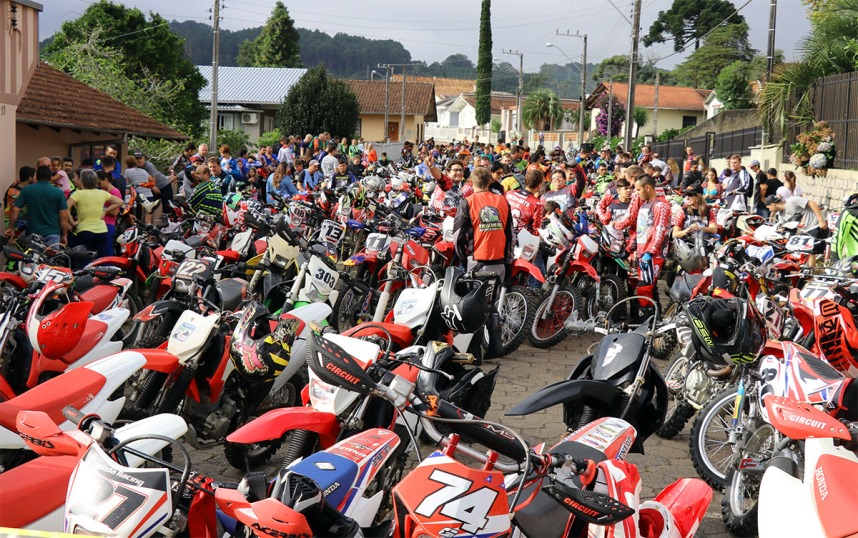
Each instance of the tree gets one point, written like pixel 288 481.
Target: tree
pixel 483 95
pixel 541 110
pixel 640 117
pixel 723 46
pixel 277 44
pixel 688 21
pixel 318 103
pixel 830 49
pixel 734 86
pixel 616 68
pixel 618 116
pixel 149 52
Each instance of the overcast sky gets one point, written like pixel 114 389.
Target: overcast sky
pixel 433 30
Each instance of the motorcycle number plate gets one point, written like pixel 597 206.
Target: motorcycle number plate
pixel 815 291
pixel 322 280
pixel 800 243
pixel 130 235
pixel 377 242
pixel 331 232
pixel 53 274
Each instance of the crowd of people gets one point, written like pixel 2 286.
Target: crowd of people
pixel 647 197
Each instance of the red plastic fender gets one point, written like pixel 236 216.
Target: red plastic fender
pixel 118 261
pixel 687 500
pixel 275 423
pixel 523 265
pixel 159 360
pixel 13 279
pixel 261 245
pixel 401 334
pixel 6 392
pixel 584 267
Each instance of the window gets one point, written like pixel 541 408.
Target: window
pixel 268 124
pixel 689 121
pixel 454 119
pixel 225 121
pixel 358 126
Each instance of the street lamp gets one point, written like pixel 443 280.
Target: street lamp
pixel 550 44
pixel 583 73
pixel 372 75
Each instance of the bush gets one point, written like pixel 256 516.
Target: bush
pixel 269 139
pixel 159 152
pixel 319 103
pixel 236 140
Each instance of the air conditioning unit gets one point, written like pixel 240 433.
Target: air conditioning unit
pixel 250 118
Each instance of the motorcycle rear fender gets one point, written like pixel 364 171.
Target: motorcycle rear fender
pixel 13 279
pixel 578 267
pixel 565 391
pixel 687 500
pixel 119 261
pixel 275 423
pixel 519 266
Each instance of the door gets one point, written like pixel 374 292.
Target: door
pixel 393 131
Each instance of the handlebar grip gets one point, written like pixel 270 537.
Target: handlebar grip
pixel 483 275
pixel 463 358
pixel 73 415
pixel 497 440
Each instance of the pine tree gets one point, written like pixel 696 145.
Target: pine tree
pixel 277 45
pixel 484 67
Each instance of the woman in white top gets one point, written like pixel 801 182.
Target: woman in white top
pixel 789 188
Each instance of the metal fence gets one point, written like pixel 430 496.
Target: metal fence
pixel 675 148
pixel 736 142
pixel 835 100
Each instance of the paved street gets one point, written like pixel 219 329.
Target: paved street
pixel 526 372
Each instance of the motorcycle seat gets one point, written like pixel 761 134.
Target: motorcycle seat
pixel 326 470
pixel 100 296
pixel 75 387
pixel 232 291
pixel 35 489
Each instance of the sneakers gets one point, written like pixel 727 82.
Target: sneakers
pixel 150 207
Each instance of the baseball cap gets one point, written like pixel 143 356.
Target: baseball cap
pixel 138 154
pixel 755 162
pixel 464 151
pixel 312 162
pixel 693 190
pixel 773 199
pixel 195 159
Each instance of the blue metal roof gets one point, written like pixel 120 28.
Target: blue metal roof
pixel 250 85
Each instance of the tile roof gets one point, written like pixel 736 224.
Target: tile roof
pixel 250 85
pixel 669 97
pixel 507 100
pixel 444 87
pixel 55 99
pixel 419 98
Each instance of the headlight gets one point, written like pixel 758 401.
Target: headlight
pixel 321 392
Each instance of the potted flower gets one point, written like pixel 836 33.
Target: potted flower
pixel 814 151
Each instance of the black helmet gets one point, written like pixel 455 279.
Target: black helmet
pixel 464 301
pixel 726 330
pixel 262 344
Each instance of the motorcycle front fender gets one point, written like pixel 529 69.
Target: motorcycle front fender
pixel 687 500
pixel 13 279
pixel 578 267
pixel 275 423
pixel 567 391
pixel 159 360
pixel 519 266
pixel 160 308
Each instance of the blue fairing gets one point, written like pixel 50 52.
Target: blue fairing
pixel 344 471
pixel 354 224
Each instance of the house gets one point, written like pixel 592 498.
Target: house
pixel 60 115
pixel 248 97
pixel 375 97
pixel 712 105
pixel 678 106
pixel 444 87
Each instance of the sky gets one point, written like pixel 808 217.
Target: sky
pixel 434 30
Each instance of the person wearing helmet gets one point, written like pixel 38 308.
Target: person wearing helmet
pixel 483 228
pixel 651 215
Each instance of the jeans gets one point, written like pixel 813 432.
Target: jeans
pixel 166 195
pixel 92 241
pixel 763 212
pixel 111 235
pixel 539 262
pixel 53 239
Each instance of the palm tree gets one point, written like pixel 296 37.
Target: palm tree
pixel 829 49
pixel 641 118
pixel 542 108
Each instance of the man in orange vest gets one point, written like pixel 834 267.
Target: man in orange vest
pixel 483 227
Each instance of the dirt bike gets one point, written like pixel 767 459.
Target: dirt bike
pixel 810 480
pixel 34 494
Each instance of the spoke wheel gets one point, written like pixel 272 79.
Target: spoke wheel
pixel 739 503
pixel 709 445
pixel 678 409
pixel 519 309
pixel 551 330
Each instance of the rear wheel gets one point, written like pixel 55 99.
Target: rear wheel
pixel 129 328
pixel 352 307
pixel 664 344
pixel 678 409
pixel 550 330
pixel 519 309
pixel 612 289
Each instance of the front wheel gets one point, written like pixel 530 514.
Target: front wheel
pixel 678 408
pixel 739 502
pixel 612 290
pixel 351 308
pixel 711 452
pixel 549 324
pixel 519 310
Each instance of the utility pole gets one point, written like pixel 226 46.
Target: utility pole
pixel 520 93
pixel 402 117
pixel 581 108
pixel 655 109
pixel 215 51
pixel 387 69
pixel 770 65
pixel 611 112
pixel 633 73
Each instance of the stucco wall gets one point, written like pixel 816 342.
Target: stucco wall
pixel 725 121
pixel 372 126
pixel 667 119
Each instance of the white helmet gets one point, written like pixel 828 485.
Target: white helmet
pixel 373 184
pixel 396 182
